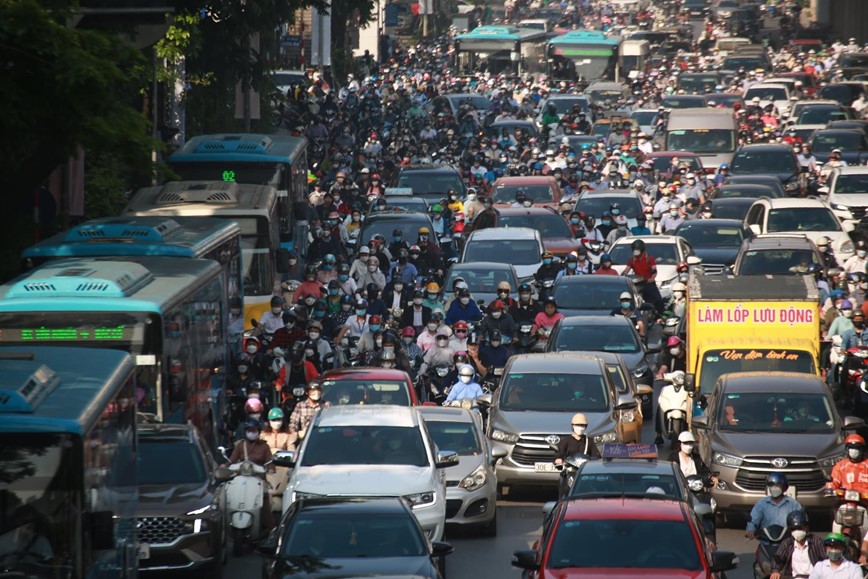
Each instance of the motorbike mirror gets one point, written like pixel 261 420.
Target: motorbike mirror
pixel 723 561
pixel 222 474
pixel 853 423
pixel 644 390
pixel 484 400
pixel 694 260
pixel 285 458
pixel 690 382
pixel 703 510
pixel 222 451
pixel 700 422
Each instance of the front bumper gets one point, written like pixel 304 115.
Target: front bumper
pixel 186 552
pixel 731 495
pixel 510 472
pixel 470 507
pixel 432 519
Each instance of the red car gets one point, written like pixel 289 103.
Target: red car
pixel 621 538
pixel 368 386
pixel 542 189
pixel 556 234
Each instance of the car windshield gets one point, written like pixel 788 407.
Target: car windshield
pixel 457 437
pixel 595 205
pixel 313 536
pixel 495 131
pixel 685 102
pixel 854 59
pixel 554 393
pixel 763 162
pixel 749 63
pixel 564 105
pixel 666 164
pixel 716 363
pixel 169 463
pixel 734 191
pixel 606 338
pixel 408 223
pixel 644 117
pixel 538 193
pixel 430 182
pixel 605 94
pixel 856 183
pixel 802 219
pixel 478 102
pixel 715 236
pixel 514 252
pixel 820 116
pixel 481 281
pixel 549 225
pixel 365 445
pixel 625 543
pixel 701 140
pixel 776 261
pixel 371 391
pixel 767 93
pixel 776 412
pixel 619 483
pixel 698 83
pixel 588 296
pixel 731 210
pixel 664 253
pixel 844 140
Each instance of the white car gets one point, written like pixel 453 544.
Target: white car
pixel 668 252
pixel 471 485
pixel 809 217
pixel 777 95
pixel 520 247
pixel 848 193
pixel 371 451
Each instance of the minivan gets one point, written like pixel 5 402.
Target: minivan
pixel 711 133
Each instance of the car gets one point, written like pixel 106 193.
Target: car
pixel 482 278
pixel 757 422
pixel 591 295
pixel 180 515
pixel 531 411
pixel 663 161
pixel 698 82
pixel 727 100
pixel 857 124
pixel 284 79
pixel 604 127
pixel 758 179
pixel 520 247
pixel 743 22
pixel 744 191
pixel 696 8
pixel 768 159
pixel 802 105
pixel 371 451
pixel 451 103
pixel 852 143
pixel 809 217
pixel 564 104
pixel 846 195
pixel 769 93
pixel 649 536
pixel 820 113
pixel 715 241
pixel 772 254
pixel 646 118
pixel 723 8
pixel 471 485
pixel 668 252
pixel 402 200
pixel 431 182
pixel 542 189
pixel 686 101
pixel 556 234
pixel 843 92
pixel 496 129
pixel 351 538
pixel 576 143
pixel 803 132
pixel 810 83
pixel 737 60
pixel 606 93
pixel 731 207
pixel 596 201
pixel 342 386
pixel 385 222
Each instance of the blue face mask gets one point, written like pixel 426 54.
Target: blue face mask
pixel 572 265
pixel 361 313
pixel 343 277
pixel 333 292
pixel 375 327
pixel 396 239
pixel 625 304
pixel 319 314
pixel 616 211
pixel 574 220
pixel 622 227
pixel 606 222
pixel 547 261
pixel 328 267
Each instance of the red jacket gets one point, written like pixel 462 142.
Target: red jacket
pixel 852 476
pixel 309 372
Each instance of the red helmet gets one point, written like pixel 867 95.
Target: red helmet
pixel 682 267
pixel 460 325
pixel 673 341
pixel 375 177
pixel 252 406
pixel 854 439
pixel 408 332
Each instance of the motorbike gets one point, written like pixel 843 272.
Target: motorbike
pixel 850 514
pixel 854 382
pixel 770 539
pixel 544 288
pixel 568 470
pixel 674 404
pixel 492 378
pixel 244 495
pixel 433 387
pixel 348 352
pixel 595 250
pixel 700 487
pixel 526 340
pixel 542 339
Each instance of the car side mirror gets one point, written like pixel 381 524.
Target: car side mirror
pixel 853 423
pixel 284 458
pixel 485 400
pixel 441 549
pixel 267 547
pixel 700 422
pixel 723 561
pixel 548 507
pixel 644 390
pixel 222 474
pixel 525 560
pixel 693 260
pixel 690 382
pixel 626 402
pixel 497 453
pixel 446 458
pixel 755 229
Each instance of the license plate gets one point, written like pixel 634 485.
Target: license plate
pixel 544 467
pixel 851 496
pixel 791 492
pixel 144 551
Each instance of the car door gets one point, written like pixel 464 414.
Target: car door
pixel 704 435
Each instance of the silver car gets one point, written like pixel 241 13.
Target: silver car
pixel 471 485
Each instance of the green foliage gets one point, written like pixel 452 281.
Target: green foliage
pixel 105 186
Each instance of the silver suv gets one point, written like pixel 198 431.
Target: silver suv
pixel 532 409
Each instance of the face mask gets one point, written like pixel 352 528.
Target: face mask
pixel 572 265
pixel 396 239
pixel 706 214
pixel 775 491
pixel 343 277
pixel 687 448
pixel 313 335
pixel 574 220
pixel 375 328
pixel 275 424
pixel 252 436
pixel 310 301
pixel 636 253
pixel 673 213
pixel 372 268
pixel 678 295
pixel 328 267
pixel 579 430
pixel 292 261
pixel 251 349
pixel 854 453
pixel 442 342
pixel 834 555
pixel 524 297
pixel 314 395
pixel 666 197
pixel 464 301
pixel 465 379
pixel 432 326
pixel 333 292
pixel 847 313
pixel 407 340
pixel 276 311
pixel 625 304
pixel 616 211
pixel 606 222
pixel 432 296
pixel 800 535
pixel 861 252
pixel 675 351
pixel 547 261
pixel 361 313
pixel 356 217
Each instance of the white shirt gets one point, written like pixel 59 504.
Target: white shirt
pixel 801 562
pixel 688 467
pixel 847 570
pixel 271 323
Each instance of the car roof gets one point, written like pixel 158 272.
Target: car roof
pixel 656 509
pixel 618 280
pixel 852 170
pixel 772 382
pixel 733 201
pixel 626 193
pixel 561 96
pixel 364 374
pixel 346 505
pixel 648 239
pixel 788 202
pixel 155 430
pixel 768 147
pixel 656 154
pixel 594 321
pixel 539 210
pixel 445 414
pixel 530 180
pixel 714 222
pixel 775 241
pixel 628 465
pixel 836 131
pixel 743 186
pixel 558 362
pixel 465 265
pixel 369 415
pixel 510 233
pixel 429 167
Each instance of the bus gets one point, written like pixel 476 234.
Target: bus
pixel 254 207
pixel 186 237
pixel 584 56
pixel 68 489
pixel 253 159
pixel 501 49
pixel 168 313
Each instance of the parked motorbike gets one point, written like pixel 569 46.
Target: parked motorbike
pixel 244 496
pixel 770 539
pixel 674 404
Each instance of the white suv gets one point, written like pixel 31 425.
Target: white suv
pixel 848 193
pixel 371 451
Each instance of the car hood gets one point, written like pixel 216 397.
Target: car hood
pixel 849 199
pixel 710 255
pixel 518 422
pixel 561 245
pixel 361 567
pixel 466 465
pixel 526 271
pixel 585 312
pixel 158 499
pixel 627 573
pixel 772 444
pixel 362 479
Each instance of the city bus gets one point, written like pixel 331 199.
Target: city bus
pixel 168 313
pixel 584 56
pixel 253 159
pixel 498 49
pixel 185 237
pixel 68 490
pixel 254 207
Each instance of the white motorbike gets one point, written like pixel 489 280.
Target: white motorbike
pixel 244 496
pixel 674 404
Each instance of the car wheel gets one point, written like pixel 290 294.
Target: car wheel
pixel 237 542
pixel 489 529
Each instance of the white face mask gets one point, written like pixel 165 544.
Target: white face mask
pixel 800 535
pixel 251 349
pixel 775 491
pixel 579 430
pixel 854 453
pixel 465 379
pixel 673 213
pixel 687 448
pixel 678 295
pixel 847 313
pixel 252 435
pixel 314 395
pixel 496 315
pixel 432 326
pixel 637 253
pixel 314 335
pixel 675 351
pixel 464 301
pixel 372 268
pixel 417 301
pixel 275 424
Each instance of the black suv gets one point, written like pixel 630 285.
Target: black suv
pixel 180 515
pixel 768 159
pixel 431 182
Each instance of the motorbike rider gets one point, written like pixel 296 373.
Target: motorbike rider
pixel 824 244
pixel 439 353
pixel 689 461
pixel 433 300
pixel 643 264
pixel 605 267
pixel 625 308
pixel 577 442
pixel 251 447
pixel 274 432
pixel 416 314
pixel 458 341
pixel 527 308
pixel 774 508
pixel 800 551
pixel 548 270
pixel 835 565
pixel 498 318
pixel 426 338
pixel 678 304
pixel 463 308
pixel 272 320
pixel 466 388
pixel 503 291
pixel 619 231
pixel 572 267
pixel 252 411
pixel 297 372
pixel 851 473
pixel 547 318
pixel 303 413
pixel 672 359
pixel 494 354
pixel 859 261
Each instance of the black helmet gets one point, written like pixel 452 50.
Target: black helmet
pixel 638 245
pixel 797 519
pixel 473 338
pixel 276 301
pixel 779 479
pixel 344 268
pixel 707 206
pixel 495 336
pixel 397 233
pixel 550 300
pixel 524 288
pixel 252 424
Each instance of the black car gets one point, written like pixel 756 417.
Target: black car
pixel 180 517
pixel 731 208
pixel 351 538
pixel 743 190
pixel 386 222
pixel 592 295
pixel 768 159
pixel 431 182
pixel 843 92
pixel 715 241
pixel 759 179
pixel 852 143
pixel 627 477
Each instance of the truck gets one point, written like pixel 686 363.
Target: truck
pixel 738 324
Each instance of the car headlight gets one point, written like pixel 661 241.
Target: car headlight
pixel 297 495
pixel 627 416
pixel 603 438
pixel 724 459
pixel 419 500
pixel 847 247
pixel 474 480
pixel 502 436
pixel 640 371
pixel 839 207
pixel 202 511
pixel 791 185
pixel 830 461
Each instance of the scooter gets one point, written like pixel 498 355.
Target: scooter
pixel 568 470
pixel 849 515
pixel 526 340
pixel 770 539
pixel 700 488
pixel 244 496
pixel 674 403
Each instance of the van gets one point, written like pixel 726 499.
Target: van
pixel 634 55
pixel 711 133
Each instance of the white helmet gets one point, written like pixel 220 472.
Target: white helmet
pixel 679 287
pixel 686 437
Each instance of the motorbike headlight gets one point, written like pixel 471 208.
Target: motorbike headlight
pixel 603 438
pixel 474 480
pixel 791 185
pixel 627 416
pixel 724 459
pixel 246 468
pixel 640 371
pixel 502 436
pixel 419 500
pixel 830 461
pixel 847 247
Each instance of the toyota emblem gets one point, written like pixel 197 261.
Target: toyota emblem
pixel 780 462
pixel 553 439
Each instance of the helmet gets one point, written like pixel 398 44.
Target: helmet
pixel 779 479
pixel 625 296
pixel 252 424
pixel 548 255
pixel 252 406
pixel 466 370
pixel 432 287
pixel 314 385
pixel 686 436
pixel 495 336
pixel 606 257
pixel 682 267
pixel 679 287
pixel 579 419
pixel 504 285
pixel 408 332
pixel 459 357
pixel 835 540
pixel 276 301
pixel 275 414
pixel 854 441
pixel 823 241
pixel 673 341
pixel 460 325
pixel 550 301
pixel 846 305
pixel 524 288
pixel 329 258
pixel 797 519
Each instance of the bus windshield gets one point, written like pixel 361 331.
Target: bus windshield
pixel 702 140
pixel 257 272
pixel 716 363
pixel 262 173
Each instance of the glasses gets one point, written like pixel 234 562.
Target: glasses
pixel 574 424
pixel 461 332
